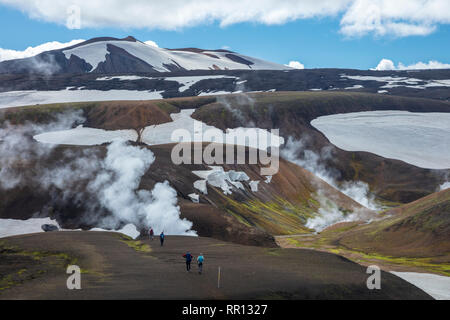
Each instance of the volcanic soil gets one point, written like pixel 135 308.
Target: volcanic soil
pixel 116 267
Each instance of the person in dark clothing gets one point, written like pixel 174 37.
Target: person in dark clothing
pixel 161 238
pixel 188 258
pixel 151 233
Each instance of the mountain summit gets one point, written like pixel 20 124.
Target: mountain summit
pixel 128 55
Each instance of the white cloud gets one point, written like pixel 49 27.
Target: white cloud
pixel 398 18
pixel 296 65
pixel 358 17
pixel 7 54
pixel 151 43
pixel 421 65
pixel 386 64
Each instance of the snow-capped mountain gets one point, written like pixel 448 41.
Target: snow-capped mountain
pixel 128 55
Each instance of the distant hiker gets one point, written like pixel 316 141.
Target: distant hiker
pixel 200 260
pixel 188 258
pixel 151 233
pixel 161 238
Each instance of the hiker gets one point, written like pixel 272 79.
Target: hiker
pixel 161 238
pixel 151 233
pixel 200 260
pixel 188 258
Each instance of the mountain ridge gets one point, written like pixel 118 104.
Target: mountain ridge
pixel 106 55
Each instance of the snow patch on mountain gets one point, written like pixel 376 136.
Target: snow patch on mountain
pixel 217 177
pixel 161 59
pixel 82 136
pixel 33 97
pixel 188 82
pixel 420 139
pixel 162 134
pixel 394 82
pixel 185 82
pixel 254 185
pixel 356 86
pixel 195 198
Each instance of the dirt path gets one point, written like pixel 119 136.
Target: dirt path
pixel 117 269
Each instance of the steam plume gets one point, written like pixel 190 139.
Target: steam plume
pixel 105 188
pixel 329 213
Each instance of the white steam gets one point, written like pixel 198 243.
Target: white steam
pixel 444 186
pixel 105 189
pixel 42 66
pixel 329 213
pixel 238 100
pixel 18 147
pixel 117 189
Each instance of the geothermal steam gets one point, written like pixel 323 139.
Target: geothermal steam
pixel 86 179
pixel 329 214
pixel 117 189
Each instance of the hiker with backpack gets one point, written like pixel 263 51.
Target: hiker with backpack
pixel 161 238
pixel 200 261
pixel 188 258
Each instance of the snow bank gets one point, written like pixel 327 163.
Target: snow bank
pixel 162 134
pixel 188 82
pixel 85 136
pixel 268 179
pixel 217 177
pixel 420 139
pixel 12 227
pixel 254 185
pixel 129 230
pixel 436 286
pixel 200 185
pixel 33 97
pixel 159 134
pixel 356 86
pixel 195 198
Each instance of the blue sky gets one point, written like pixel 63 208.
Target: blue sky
pixel 315 42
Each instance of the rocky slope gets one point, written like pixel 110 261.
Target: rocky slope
pixel 391 180
pixel 279 206
pixel 412 237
